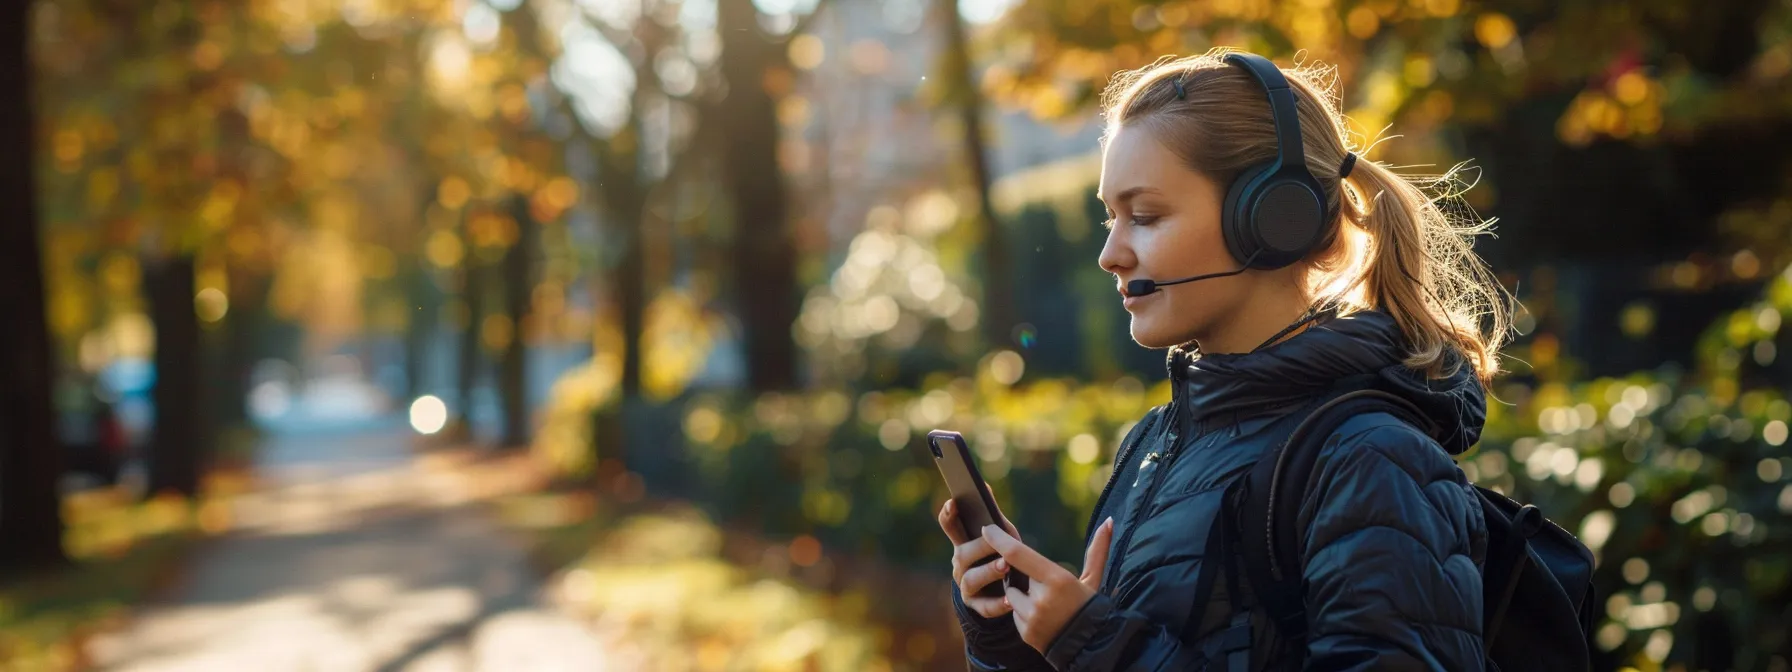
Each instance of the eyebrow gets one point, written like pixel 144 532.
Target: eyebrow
pixel 1128 194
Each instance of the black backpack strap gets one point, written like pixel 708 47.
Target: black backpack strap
pixel 1233 644
pixel 1505 566
pixel 1269 504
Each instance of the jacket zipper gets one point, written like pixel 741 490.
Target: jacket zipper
pixel 1127 451
pixel 1164 459
pixel 1113 477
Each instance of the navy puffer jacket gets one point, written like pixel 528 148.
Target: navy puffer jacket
pixel 1393 535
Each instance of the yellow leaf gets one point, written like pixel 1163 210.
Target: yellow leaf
pixel 1362 22
pixel 1495 30
pixel 68 146
pixel 1631 88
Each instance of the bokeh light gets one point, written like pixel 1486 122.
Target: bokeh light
pixel 428 414
pixel 1084 448
pixel 1026 335
pixel 211 304
pixel 1006 367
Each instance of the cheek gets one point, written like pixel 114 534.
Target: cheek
pixel 1182 249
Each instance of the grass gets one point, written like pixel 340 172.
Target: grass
pixel 122 552
pixel 671 590
pixel 46 619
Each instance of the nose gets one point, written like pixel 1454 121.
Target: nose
pixel 1116 254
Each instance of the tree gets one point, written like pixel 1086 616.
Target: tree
pixel 471 353
pixel 169 88
pixel 625 185
pixel 179 440
pixel 519 283
pixel 424 307
pixel 756 69
pixel 960 93
pixel 30 452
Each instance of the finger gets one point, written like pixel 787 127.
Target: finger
pixel 988 607
pixel 968 553
pixel 976 578
pixel 1023 604
pixel 949 523
pixel 1019 555
pixel 1095 560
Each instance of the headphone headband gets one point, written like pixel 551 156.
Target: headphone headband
pixel 1290 154
pixel 1275 212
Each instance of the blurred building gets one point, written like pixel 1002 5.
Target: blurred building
pixel 871 137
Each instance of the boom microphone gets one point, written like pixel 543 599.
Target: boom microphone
pixel 1143 287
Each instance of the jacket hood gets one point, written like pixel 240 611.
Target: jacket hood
pixel 1362 349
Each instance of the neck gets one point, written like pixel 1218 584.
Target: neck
pixel 1258 318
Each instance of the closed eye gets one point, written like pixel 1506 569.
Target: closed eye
pixel 1140 220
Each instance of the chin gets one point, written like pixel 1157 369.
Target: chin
pixel 1153 334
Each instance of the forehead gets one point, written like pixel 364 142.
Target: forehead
pixel 1134 158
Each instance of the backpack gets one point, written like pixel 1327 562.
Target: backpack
pixel 1536 581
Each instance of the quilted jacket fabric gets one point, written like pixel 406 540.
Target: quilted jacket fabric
pixel 1393 536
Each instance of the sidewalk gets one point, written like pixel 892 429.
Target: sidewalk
pixel 357 556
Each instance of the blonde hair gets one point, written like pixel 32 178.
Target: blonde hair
pixel 1403 253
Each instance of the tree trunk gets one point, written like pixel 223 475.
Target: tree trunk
pixel 244 335
pixel 472 294
pixel 177 442
pixel 625 203
pixel 30 452
pixel 249 283
pixel 424 309
pixel 633 288
pixel 998 276
pixel 424 312
pixel 764 252
pixel 519 286
pixel 626 198
pixel 631 284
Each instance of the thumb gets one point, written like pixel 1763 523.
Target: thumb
pixel 1095 560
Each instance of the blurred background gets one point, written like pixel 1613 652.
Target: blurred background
pixel 603 334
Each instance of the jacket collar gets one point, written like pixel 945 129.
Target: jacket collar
pixel 1216 389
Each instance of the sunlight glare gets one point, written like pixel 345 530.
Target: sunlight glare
pixel 595 76
pixel 450 63
pixel 481 24
pixel 984 11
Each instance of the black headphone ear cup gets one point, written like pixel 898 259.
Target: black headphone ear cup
pixel 1235 214
pixel 1288 219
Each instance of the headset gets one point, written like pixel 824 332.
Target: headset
pixel 1275 213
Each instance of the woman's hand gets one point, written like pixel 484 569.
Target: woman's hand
pixel 1055 595
pixel 965 553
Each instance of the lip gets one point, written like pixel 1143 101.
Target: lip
pixel 1130 301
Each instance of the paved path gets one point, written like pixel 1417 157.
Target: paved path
pixel 357 557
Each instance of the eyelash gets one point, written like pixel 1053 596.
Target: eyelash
pixel 1136 221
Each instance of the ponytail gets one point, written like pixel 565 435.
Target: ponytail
pixel 1422 270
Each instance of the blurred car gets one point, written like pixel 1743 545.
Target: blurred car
pixel 100 419
pixel 94 437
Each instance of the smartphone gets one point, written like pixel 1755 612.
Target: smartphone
pixel 976 506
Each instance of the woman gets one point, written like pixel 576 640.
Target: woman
pixel 1381 283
